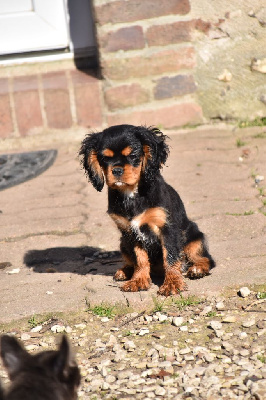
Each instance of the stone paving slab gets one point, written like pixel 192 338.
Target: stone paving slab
pixel 58 213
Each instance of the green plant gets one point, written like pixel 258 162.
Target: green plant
pixel 127 333
pixel 261 135
pixel 261 191
pixel 102 310
pixel 256 122
pixel 183 302
pixel 212 314
pixel 250 212
pixel 262 359
pixel 253 173
pixel 158 304
pixel 240 143
pixel 234 214
pixel 261 295
pixel 33 322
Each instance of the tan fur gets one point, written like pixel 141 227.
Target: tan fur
pixel 108 153
pixel 147 156
pixel 173 280
pixel 141 277
pixel 126 151
pixel 201 265
pixel 121 222
pixel 94 163
pixel 155 217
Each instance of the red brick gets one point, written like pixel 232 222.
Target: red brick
pixel 125 96
pixel 57 103
pixel 134 10
pixel 161 35
pixel 172 86
pixel 87 98
pixel 28 111
pixel 4 86
pixel 27 104
pixel 157 63
pixel 83 77
pixel 131 38
pixel 25 83
pixel 6 125
pixel 55 80
pixel 169 117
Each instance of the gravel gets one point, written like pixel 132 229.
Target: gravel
pixel 149 355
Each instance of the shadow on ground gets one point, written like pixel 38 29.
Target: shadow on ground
pixel 79 260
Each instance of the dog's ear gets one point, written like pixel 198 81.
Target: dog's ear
pixel 12 354
pixel 155 150
pixel 89 160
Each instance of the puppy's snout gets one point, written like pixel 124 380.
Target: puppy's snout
pixel 117 171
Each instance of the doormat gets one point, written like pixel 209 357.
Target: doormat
pixel 18 168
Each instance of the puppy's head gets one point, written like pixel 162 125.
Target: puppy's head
pixel 123 155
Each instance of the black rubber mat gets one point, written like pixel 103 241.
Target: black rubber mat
pixel 18 168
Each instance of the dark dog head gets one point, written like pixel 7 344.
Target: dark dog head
pixel 123 155
pixel 46 375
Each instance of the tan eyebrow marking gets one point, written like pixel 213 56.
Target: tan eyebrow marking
pixel 108 153
pixel 126 151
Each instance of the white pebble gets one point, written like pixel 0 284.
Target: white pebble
pixel 178 321
pixel 58 328
pixel 215 325
pixel 36 328
pixel 244 291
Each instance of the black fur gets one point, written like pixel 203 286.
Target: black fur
pixel 48 375
pixel 150 151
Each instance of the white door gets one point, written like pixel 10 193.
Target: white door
pixel 32 25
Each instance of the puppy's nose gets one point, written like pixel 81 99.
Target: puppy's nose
pixel 117 171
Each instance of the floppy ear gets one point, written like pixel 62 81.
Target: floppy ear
pixel 12 354
pixel 155 150
pixel 89 160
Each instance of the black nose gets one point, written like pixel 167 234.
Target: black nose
pixel 117 171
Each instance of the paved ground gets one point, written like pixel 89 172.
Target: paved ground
pixel 51 224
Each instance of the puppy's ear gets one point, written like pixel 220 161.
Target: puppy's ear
pixel 12 354
pixel 89 160
pixel 155 150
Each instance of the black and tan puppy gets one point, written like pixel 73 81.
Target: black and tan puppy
pixel 49 375
pixel 157 235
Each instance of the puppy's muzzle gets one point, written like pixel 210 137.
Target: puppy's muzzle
pixel 117 171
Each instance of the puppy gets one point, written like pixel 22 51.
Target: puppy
pixel 156 234
pixel 49 375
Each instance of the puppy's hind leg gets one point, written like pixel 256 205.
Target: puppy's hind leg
pixel 197 254
pixel 125 273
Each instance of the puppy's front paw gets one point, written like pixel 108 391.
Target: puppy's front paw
pixel 197 271
pixel 134 285
pixel 171 289
pixel 173 284
pixel 123 274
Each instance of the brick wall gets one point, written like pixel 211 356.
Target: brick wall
pixel 147 66
pixel 147 62
pixel 33 100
